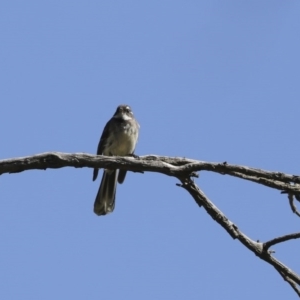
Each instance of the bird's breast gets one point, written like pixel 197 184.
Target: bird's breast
pixel 123 140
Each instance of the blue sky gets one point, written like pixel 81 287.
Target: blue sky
pixel 209 80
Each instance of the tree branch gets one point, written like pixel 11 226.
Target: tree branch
pixel 292 204
pixel 171 166
pixel 256 247
pixel 281 239
pixel 291 283
pixel 183 169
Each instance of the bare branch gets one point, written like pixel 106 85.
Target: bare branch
pixel 183 169
pixel 290 282
pixel 275 184
pixel 292 205
pixel 281 239
pixel 291 197
pixel 171 166
pixel 232 229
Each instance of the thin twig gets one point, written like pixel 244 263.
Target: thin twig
pixel 292 283
pixel 281 239
pixel 292 205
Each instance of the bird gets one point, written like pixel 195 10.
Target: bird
pixel 119 138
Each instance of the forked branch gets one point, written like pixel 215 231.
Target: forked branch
pixel 183 169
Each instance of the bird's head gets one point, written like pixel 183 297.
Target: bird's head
pixel 123 112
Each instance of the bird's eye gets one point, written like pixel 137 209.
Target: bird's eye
pixel 128 109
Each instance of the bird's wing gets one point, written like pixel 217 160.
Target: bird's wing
pixel 101 146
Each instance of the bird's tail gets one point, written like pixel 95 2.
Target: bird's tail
pixel 105 199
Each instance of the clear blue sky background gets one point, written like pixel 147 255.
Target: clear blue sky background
pixel 209 80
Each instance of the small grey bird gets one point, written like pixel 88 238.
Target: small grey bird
pixel 119 138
